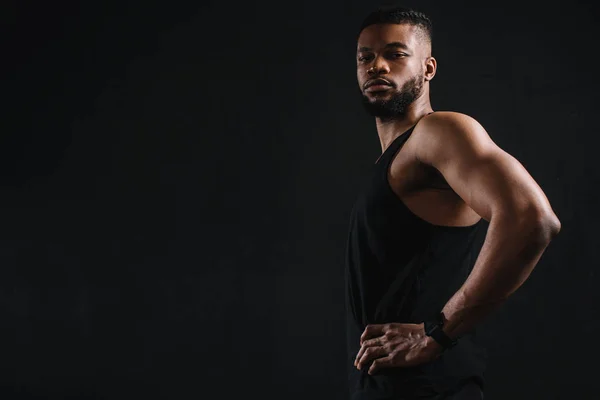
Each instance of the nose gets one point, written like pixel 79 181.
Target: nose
pixel 379 66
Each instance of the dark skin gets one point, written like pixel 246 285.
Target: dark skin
pixel 449 172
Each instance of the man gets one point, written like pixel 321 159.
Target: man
pixel 417 283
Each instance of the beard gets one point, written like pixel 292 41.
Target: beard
pixel 397 104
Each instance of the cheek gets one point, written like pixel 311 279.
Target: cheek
pixel 360 77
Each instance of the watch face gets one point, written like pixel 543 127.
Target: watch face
pixel 430 327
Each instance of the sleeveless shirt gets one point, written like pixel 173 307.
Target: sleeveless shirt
pixel 401 268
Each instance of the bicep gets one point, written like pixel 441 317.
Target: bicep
pixel 493 183
pixel 487 178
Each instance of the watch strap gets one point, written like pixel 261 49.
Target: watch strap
pixel 434 330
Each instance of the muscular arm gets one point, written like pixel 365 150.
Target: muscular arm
pixel 497 187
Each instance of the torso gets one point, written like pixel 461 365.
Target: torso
pixel 425 192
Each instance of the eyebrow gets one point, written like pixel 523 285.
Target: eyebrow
pixel 389 45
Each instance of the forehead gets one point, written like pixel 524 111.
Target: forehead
pixel 378 35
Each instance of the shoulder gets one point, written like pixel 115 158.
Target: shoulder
pixel 445 135
pixel 448 125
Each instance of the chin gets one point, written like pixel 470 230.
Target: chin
pixel 383 93
pixel 379 95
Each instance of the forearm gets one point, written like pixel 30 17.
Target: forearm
pixel 511 250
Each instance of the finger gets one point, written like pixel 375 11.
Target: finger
pixel 371 353
pixel 371 331
pixel 359 355
pixel 377 341
pixel 368 343
pixel 368 355
pixel 384 362
pixel 361 352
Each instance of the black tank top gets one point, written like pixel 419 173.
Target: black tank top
pixel 401 268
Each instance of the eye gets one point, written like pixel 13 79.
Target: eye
pixel 364 58
pixel 397 55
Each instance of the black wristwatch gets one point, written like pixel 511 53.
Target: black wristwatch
pixel 434 329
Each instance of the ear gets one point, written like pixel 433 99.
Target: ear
pixel 430 68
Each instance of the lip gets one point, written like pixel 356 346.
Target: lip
pixel 378 87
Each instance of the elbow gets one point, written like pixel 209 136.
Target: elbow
pixel 538 225
pixel 555 225
pixel 544 223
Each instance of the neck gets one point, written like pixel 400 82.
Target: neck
pixel 388 130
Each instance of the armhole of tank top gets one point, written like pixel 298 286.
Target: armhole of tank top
pixel 391 157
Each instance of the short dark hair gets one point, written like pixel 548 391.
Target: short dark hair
pixel 399 15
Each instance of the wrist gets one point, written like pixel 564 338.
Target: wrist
pixel 433 344
pixel 430 347
pixel 436 331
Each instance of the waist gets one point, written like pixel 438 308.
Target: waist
pixel 430 379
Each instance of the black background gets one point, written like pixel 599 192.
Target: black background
pixel 176 181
